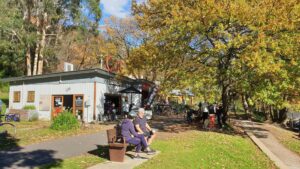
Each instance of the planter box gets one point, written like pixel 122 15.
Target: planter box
pixel 117 152
pixel 25 115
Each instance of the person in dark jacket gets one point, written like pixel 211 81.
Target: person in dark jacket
pixel 132 137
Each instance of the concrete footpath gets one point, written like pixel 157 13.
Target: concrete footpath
pixel 128 163
pixel 51 151
pixel 282 157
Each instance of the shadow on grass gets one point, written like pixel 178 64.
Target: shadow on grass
pixel 12 156
pixel 101 151
pixel 177 125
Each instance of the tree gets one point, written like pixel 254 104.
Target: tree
pixel 237 41
pixel 40 24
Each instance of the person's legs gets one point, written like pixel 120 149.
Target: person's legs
pixel 219 120
pixel 137 142
pixel 145 144
pixel 151 138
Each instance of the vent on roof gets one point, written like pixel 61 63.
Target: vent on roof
pixel 68 67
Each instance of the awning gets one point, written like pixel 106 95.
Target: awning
pixel 130 89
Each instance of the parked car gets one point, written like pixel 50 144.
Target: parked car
pixel 294 124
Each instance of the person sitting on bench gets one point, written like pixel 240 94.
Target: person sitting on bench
pixel 142 126
pixel 132 137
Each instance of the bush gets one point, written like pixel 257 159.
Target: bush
pixel 65 121
pixel 33 116
pixel 259 116
pixel 29 107
pixel 3 110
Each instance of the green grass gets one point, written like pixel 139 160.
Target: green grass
pixel 209 150
pixel 78 162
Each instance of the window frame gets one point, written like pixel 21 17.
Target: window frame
pixel 29 99
pixel 15 96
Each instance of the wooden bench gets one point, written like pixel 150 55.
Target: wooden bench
pixel 117 146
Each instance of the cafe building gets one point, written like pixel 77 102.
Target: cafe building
pixel 82 92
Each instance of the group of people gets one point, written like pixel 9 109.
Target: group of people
pixel 110 110
pixel 205 111
pixel 137 131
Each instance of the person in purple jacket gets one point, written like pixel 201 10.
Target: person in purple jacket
pixel 132 137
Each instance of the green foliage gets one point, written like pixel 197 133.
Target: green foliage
pixel 29 107
pixel 259 116
pixel 65 121
pixel 246 48
pixel 3 108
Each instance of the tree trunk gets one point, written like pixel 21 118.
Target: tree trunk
pixel 245 104
pixel 28 61
pixel 271 113
pixel 27 18
pixel 37 47
pixel 225 103
pixel 42 45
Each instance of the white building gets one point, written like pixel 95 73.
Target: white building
pixel 83 92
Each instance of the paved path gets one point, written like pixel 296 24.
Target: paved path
pixel 128 163
pixel 51 151
pixel 283 157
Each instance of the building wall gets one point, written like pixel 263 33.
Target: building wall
pixel 52 89
pixel 71 87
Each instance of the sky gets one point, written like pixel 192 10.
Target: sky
pixel 118 8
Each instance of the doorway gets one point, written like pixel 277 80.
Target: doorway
pixel 71 103
pixel 113 99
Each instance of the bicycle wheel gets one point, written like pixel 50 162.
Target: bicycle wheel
pixel 7 129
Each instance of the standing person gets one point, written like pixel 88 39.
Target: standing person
pixel 189 114
pixel 132 137
pixel 113 112
pixel 205 115
pixel 142 126
pixel 125 107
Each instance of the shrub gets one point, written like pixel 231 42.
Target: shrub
pixel 29 107
pixel 259 116
pixel 3 110
pixel 33 116
pixel 65 121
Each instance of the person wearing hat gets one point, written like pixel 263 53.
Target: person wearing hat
pixel 132 137
pixel 143 127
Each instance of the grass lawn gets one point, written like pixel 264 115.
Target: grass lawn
pixel 78 162
pixel 38 131
pixel 288 138
pixel 196 149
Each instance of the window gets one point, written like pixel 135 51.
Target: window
pixel 30 96
pixel 17 96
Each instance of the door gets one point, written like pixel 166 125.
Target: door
pixel 78 106
pixel 57 105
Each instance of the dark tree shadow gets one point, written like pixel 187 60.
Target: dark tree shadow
pixel 177 125
pixel 13 156
pixel 101 151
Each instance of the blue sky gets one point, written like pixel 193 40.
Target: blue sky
pixel 118 8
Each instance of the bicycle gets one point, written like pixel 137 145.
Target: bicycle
pixel 6 127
